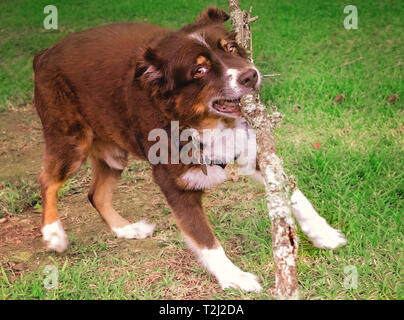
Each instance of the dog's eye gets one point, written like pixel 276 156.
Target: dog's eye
pixel 227 46
pixel 199 72
pixel 231 48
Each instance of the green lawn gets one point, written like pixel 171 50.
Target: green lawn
pixel 355 179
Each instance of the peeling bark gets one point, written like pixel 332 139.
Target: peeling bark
pixel 278 185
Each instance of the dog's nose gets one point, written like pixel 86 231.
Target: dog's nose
pixel 249 78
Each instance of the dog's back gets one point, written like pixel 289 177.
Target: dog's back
pixel 82 82
pixel 104 50
pixel 96 61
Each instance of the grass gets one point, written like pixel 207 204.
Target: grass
pixel 354 177
pixel 17 196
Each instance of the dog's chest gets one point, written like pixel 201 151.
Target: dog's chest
pixel 224 142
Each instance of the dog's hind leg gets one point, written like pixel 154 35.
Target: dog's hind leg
pixel 63 157
pixel 104 179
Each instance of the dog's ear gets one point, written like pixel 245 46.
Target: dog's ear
pixel 150 67
pixel 151 71
pixel 209 16
pixel 212 15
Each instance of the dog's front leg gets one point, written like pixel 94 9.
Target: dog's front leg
pixel 191 219
pixel 312 224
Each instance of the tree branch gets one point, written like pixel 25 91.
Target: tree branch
pixel 277 184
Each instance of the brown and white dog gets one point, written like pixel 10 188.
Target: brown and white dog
pixel 100 92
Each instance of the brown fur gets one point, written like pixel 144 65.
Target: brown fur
pixel 99 92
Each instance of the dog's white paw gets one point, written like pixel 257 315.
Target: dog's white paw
pixel 54 236
pixel 322 235
pixel 240 280
pixel 313 225
pixel 227 274
pixel 138 230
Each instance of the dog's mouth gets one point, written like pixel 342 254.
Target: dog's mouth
pixel 228 107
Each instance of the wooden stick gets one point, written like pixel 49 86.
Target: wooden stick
pixel 278 186
pixel 271 75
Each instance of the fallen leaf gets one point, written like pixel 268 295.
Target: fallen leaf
pixel 316 145
pixel 392 99
pixel 339 98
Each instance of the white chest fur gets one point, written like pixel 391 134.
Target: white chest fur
pixel 222 145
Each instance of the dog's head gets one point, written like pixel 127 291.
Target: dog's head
pixel 201 68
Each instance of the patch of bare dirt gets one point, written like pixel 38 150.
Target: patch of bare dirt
pixel 21 145
pixel 18 231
